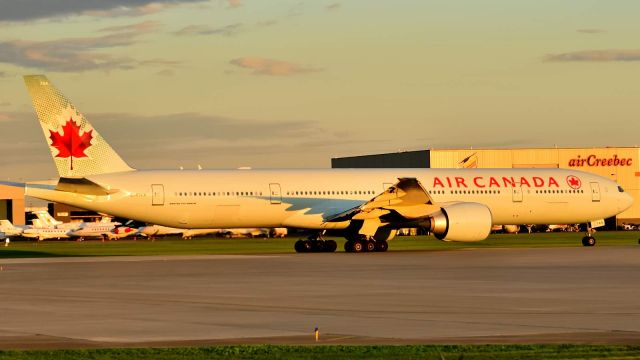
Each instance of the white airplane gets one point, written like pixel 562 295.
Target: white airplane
pixel 42 234
pixel 122 232
pixel 367 205
pixel 244 232
pixel 93 230
pixel 45 220
pixel 9 229
pixel 157 230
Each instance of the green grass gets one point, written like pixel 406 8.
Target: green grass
pixel 436 352
pixel 202 246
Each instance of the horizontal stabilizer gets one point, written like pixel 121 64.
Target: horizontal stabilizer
pixel 82 186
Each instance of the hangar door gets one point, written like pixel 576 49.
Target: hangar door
pixel 6 209
pixel 157 194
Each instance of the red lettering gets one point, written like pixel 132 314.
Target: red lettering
pixel 437 182
pixel 449 181
pixel 460 181
pixel 553 182
pixel 493 182
pixel 524 182
pixel 508 182
pixel 476 182
pixel 538 182
pixel 593 160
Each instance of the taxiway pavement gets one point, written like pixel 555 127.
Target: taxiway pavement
pixel 573 294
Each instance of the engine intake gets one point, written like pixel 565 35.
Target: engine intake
pixel 465 222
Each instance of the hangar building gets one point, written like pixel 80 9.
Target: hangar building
pixel 12 204
pixel 621 164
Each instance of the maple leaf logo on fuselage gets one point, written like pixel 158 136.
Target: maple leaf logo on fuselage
pixel 70 143
pixel 574 182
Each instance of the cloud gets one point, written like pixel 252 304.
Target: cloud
pixel 144 27
pixel 595 56
pixel 266 23
pixel 79 54
pixel 234 3
pixel 166 72
pixel 228 30
pixel 25 10
pixel 333 7
pixel 262 66
pixel 591 31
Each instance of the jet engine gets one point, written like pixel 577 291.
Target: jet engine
pixel 464 222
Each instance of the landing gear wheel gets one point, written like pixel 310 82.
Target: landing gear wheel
pixel 317 246
pixel 588 241
pixel 370 246
pixel 307 246
pixel 382 246
pixel 330 246
pixel 358 246
pixel 299 246
pixel 348 246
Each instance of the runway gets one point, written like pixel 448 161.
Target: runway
pixel 579 295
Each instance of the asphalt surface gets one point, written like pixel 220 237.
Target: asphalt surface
pixel 553 295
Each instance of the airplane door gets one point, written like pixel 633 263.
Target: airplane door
pixel 595 192
pixel 517 194
pixel 276 193
pixel 157 194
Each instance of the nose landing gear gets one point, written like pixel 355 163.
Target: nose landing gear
pixel 589 240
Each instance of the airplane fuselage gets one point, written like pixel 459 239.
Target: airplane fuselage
pixel 308 198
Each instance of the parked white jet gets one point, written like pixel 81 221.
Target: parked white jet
pixel 157 230
pixel 366 205
pixel 42 234
pixel 93 230
pixel 9 229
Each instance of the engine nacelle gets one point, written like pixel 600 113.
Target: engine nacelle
pixel 465 222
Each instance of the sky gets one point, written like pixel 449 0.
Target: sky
pixel 293 83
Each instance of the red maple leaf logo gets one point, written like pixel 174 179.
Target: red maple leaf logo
pixel 574 182
pixel 70 143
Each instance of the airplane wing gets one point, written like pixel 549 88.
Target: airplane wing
pixel 407 200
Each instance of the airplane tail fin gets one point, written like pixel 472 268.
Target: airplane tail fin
pixel 46 218
pixel 76 147
pixel 6 225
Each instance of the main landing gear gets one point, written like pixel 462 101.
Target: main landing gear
pixel 315 244
pixel 365 245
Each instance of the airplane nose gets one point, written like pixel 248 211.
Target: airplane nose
pixel 625 201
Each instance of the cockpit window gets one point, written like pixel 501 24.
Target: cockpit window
pixel 620 189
